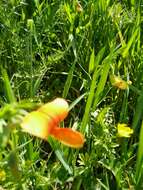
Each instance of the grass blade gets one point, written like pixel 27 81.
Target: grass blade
pixel 101 83
pixel 91 92
pixel 68 81
pixel 59 154
pixel 73 104
pixel 138 112
pixel 139 167
pixel 7 86
pixel 91 62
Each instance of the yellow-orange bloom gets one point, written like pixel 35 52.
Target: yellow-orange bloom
pixel 57 109
pixel 119 83
pixel 45 121
pixel 79 7
pixel 37 124
pixel 124 130
pixel 68 137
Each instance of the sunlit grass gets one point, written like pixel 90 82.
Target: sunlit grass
pixel 89 53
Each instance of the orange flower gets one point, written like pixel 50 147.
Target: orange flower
pixel 119 83
pixel 45 121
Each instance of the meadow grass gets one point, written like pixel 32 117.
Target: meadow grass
pixel 90 53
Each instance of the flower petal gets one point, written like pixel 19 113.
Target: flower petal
pixel 57 109
pixel 45 121
pixel 118 82
pixel 124 130
pixel 68 137
pixel 37 124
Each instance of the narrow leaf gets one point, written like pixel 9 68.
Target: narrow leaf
pixel 7 86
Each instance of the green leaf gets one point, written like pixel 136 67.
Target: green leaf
pixel 7 87
pixel 68 81
pixel 55 146
pixel 139 164
pixel 91 62
pixel 130 42
pixel 91 92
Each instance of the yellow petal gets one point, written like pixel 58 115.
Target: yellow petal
pixel 118 82
pixel 57 109
pixel 2 175
pixel 124 130
pixel 37 124
pixel 68 137
pixel 79 7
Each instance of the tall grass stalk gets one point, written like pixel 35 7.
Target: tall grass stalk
pixel 139 163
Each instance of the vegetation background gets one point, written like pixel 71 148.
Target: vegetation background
pixel 70 49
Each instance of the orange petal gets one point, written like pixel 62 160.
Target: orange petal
pixel 68 137
pixel 57 109
pixel 37 124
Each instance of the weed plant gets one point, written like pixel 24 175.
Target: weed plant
pixel 70 49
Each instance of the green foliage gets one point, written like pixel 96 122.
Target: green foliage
pixel 52 49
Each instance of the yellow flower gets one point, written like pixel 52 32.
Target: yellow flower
pixel 124 130
pixel 119 83
pixel 79 7
pixel 2 175
pixel 45 121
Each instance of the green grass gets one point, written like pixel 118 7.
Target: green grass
pixel 49 49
